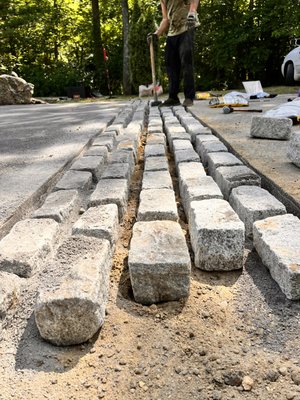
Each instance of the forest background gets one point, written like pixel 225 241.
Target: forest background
pixel 55 44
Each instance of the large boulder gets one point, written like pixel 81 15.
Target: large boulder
pixel 14 90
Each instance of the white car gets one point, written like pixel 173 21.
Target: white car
pixel 290 67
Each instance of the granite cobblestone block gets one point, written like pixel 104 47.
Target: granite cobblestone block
pixel 221 159
pixel 59 205
pixel 277 241
pixel 253 203
pixel 230 177
pixel 72 309
pixel 159 262
pixel 80 180
pixel 93 164
pixel 201 188
pixel 157 180
pixel 101 222
pixel 26 247
pixel 109 191
pixel 157 204
pixel 217 235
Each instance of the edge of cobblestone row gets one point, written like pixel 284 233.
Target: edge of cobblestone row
pixel 36 199
pixel 290 203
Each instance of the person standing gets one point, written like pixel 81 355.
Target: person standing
pixel 179 20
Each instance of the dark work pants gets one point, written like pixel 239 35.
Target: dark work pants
pixel 179 61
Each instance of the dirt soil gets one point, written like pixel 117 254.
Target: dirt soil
pixel 235 337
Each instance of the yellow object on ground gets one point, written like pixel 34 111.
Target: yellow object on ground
pixel 228 100
pixel 202 96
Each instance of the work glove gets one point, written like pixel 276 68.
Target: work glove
pixel 152 37
pixel 191 20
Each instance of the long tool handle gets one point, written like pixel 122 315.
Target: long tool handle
pixel 251 110
pixel 152 58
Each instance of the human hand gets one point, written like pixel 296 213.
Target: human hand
pixel 191 19
pixel 152 37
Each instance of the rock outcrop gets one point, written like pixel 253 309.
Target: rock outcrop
pixel 14 90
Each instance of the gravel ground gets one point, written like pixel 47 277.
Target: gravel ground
pixel 235 337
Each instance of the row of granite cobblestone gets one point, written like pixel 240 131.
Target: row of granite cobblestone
pixel 73 235
pixel 221 197
pixel 223 202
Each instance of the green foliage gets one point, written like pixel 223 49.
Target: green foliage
pixel 51 44
pixel 53 80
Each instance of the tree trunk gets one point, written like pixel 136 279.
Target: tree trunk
pixel 98 56
pixel 126 72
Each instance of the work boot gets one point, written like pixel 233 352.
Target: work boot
pixel 170 102
pixel 188 103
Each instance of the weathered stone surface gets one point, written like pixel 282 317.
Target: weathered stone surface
pixel 178 136
pixel 117 171
pixel 93 164
pixel 277 241
pixel 97 151
pixel 109 142
pixel 59 205
pixel 25 248
pixel 10 288
pixel 122 156
pixel 174 129
pixel 157 204
pixel 221 159
pixel 154 150
pixel 271 128
pixel 81 180
pixel 113 191
pixel 156 164
pixel 73 309
pixel 170 120
pixel 200 188
pixel 115 127
pixel 181 145
pixel 189 170
pixel 155 129
pixel 230 177
pixel 186 118
pixel 156 139
pixel 204 131
pixel 187 155
pixel 159 262
pixel 157 180
pixel 112 134
pixel 14 90
pixel 217 235
pixel 198 130
pixel 200 139
pixel 293 150
pixel 210 147
pixel 253 203
pixel 101 222
pixel 130 146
